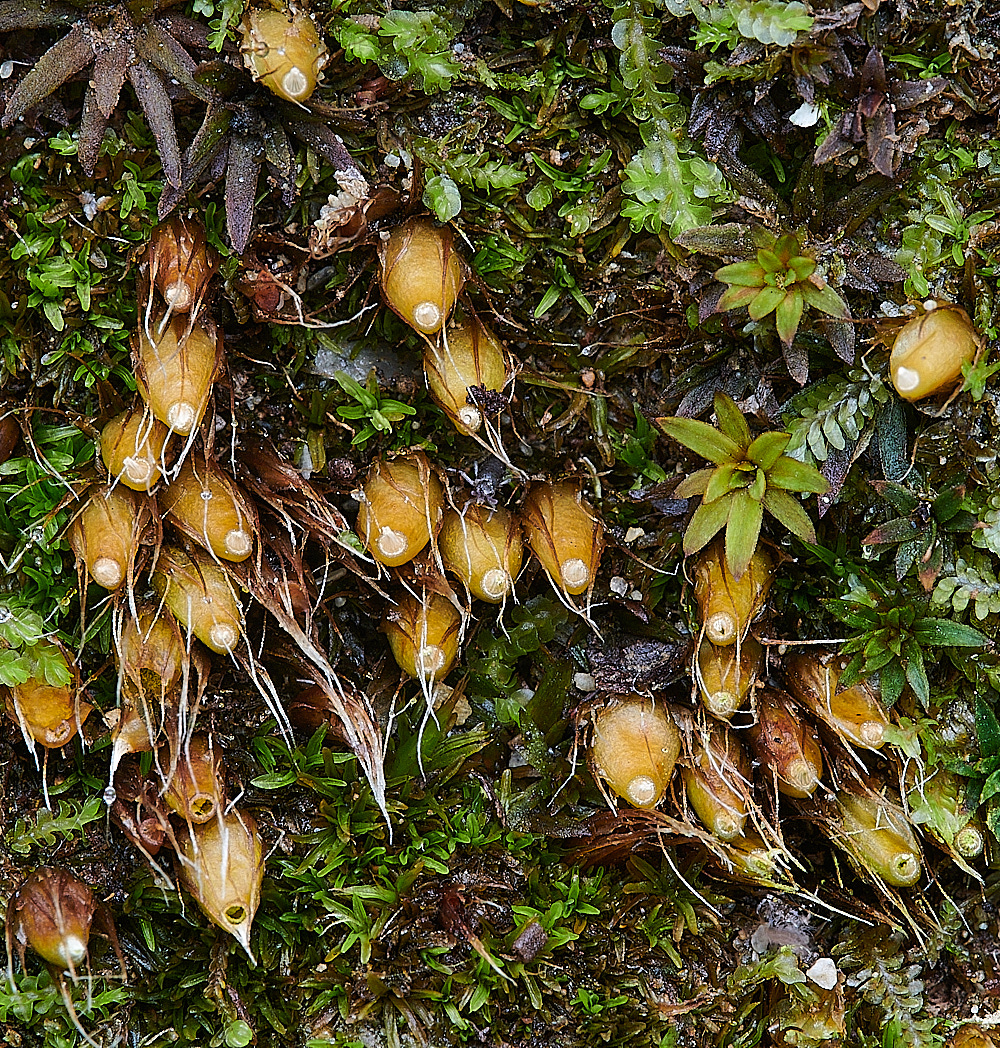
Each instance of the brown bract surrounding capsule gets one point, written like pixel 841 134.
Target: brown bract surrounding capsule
pixel 469 356
pixel 727 606
pixel 201 596
pixel 786 745
pixel 875 831
pixel 929 351
pixel 222 866
pixel 283 51
pixel 854 713
pixel 10 432
pixel 52 912
pixel 194 780
pixel 204 502
pixel 181 263
pixel 401 506
pixel 175 373
pixel 47 714
pixel 726 674
pixel 483 548
pixel 717 780
pixel 104 534
pixel 134 448
pixel 151 650
pixel 634 749
pixel 424 635
pixel 564 534
pixel 421 274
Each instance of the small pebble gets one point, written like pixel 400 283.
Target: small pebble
pixel 823 973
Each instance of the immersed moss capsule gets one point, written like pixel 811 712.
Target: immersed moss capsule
pixel 929 351
pixel 201 596
pixel 564 533
pixel 52 913
pixel 175 373
pixel 194 783
pixel 48 714
pixel 206 504
pixel 483 548
pixel 634 749
pixel 786 745
pixel 133 447
pixel 283 51
pixel 877 834
pixel 421 274
pixel 424 635
pixel 752 857
pixel 469 356
pixel 180 262
pixel 716 782
pixel 222 866
pixel 726 674
pixel 727 606
pixel 401 504
pixel 936 801
pixel 854 713
pixel 104 534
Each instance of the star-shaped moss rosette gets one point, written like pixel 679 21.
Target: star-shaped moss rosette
pixel 782 281
pixel 749 476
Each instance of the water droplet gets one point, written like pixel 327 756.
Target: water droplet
pixel 110 795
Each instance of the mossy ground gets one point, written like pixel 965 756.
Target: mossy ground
pixel 573 147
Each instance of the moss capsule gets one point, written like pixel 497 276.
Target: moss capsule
pixel 634 749
pixel 726 605
pixel 175 373
pixel 936 801
pixel 424 635
pixel 104 534
pixel 469 356
pixel 201 596
pixel 194 781
pixel 401 505
pixel 222 866
pixel 751 857
pixel 134 448
pixel 48 714
pixel 929 351
pixel 483 548
pixel 854 713
pixel 725 675
pixel 786 745
pixel 716 782
pixel 421 274
pixel 875 831
pixel 564 533
pixel 206 503
pixel 283 51
pixel 181 263
pixel 52 913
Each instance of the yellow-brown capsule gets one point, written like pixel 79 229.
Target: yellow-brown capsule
pixel 727 606
pixel 855 713
pixel 875 831
pixel 421 274
pixel 634 749
pixel 786 745
pixel 222 866
pixel 726 674
pixel 104 534
pixel 564 533
pixel 52 912
pixel 48 714
pixel 929 351
pixel 283 51
pixel 483 548
pixel 752 857
pixel 151 652
pixel 401 505
pixel 180 262
pixel 175 373
pixel 134 448
pixel 716 781
pixel 194 781
pixel 201 597
pixel 468 357
pixel 206 503
pixel 935 800
pixel 424 635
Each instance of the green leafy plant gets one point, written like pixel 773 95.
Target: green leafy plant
pixel 25 651
pixel 781 280
pixel 892 633
pixel 767 21
pixel 379 414
pixel 49 826
pixel 972 579
pixel 751 475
